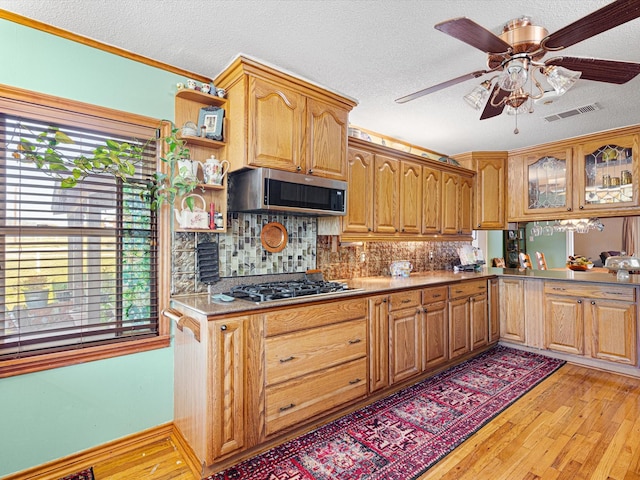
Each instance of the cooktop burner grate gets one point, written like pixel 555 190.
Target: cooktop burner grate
pixel 263 292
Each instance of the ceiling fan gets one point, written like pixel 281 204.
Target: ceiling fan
pixel 515 57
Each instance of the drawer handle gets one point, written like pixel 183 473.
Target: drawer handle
pixel 356 340
pixel 287 407
pixel 482 287
pixel 459 291
pixel 354 381
pixel 406 300
pixel 558 289
pixel 437 295
pixel 288 359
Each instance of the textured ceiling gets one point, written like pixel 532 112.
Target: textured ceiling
pixel 372 50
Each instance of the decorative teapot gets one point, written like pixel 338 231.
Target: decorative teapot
pixel 214 170
pixel 196 218
pixel 188 168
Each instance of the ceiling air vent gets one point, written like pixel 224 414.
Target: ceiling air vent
pixel 573 112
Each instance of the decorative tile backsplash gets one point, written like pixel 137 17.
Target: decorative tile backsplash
pixel 370 259
pixel 241 252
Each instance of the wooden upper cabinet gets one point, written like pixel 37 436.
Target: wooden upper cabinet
pixel 326 140
pixel 547 173
pixel 276 117
pixel 450 202
pixel 431 200
pixel 386 194
pixel 360 170
pixel 411 198
pixel 489 202
pixel 465 225
pixel 276 120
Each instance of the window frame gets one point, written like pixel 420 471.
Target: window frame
pixel 16 101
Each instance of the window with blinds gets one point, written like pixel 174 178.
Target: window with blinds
pixel 78 265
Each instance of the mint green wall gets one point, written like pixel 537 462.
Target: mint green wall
pixel 554 247
pixel 54 413
pixel 495 245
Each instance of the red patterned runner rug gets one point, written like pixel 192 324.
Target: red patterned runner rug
pixel 402 436
pixel 83 475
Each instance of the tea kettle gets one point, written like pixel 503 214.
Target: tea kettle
pixel 214 170
pixel 197 218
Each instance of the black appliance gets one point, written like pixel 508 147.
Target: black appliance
pixel 264 292
pixel 514 243
pixel 265 189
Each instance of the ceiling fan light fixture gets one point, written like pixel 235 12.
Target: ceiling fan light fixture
pixel 478 96
pixel 515 74
pixel 561 79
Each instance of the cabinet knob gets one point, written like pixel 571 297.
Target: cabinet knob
pixel 568 209
pixel 579 301
pixel 298 168
pixel 593 302
pixel 223 327
pixel 581 207
pixel 479 225
pixel 310 171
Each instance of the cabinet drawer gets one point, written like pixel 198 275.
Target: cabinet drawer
pixel 296 354
pixel 591 290
pixel 294 319
pixel 465 289
pixel 400 300
pixel 293 402
pixel 436 294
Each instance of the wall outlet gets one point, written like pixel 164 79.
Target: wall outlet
pixel 431 256
pixel 363 257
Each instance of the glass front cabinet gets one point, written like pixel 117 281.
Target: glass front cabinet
pixel 597 176
pixel 608 173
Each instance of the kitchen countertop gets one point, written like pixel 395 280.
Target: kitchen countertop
pixel 203 304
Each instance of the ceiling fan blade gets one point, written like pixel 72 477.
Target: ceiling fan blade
pixel 440 86
pixel 606 18
pixel 473 34
pixel 610 71
pixel 489 110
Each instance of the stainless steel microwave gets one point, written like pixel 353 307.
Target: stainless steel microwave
pixel 265 189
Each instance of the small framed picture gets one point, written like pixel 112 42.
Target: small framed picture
pixel 210 122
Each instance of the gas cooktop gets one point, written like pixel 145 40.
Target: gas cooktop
pixel 264 292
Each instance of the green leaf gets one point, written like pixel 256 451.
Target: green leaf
pixel 63 137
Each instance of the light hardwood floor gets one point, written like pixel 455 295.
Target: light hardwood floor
pixel 577 424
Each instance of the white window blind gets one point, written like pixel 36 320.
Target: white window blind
pixel 79 265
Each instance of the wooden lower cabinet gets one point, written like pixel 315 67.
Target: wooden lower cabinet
pixel 405 336
pixel 316 360
pixel 435 328
pixel 468 317
pixel 512 310
pixel 378 342
pixel 591 320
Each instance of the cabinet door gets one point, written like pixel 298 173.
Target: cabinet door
pixel 411 198
pixel 490 194
pixel 494 310
pixel 275 126
pixel 404 344
pixel 227 340
pixel 607 173
pixel 459 326
pixel 450 203
pixel 385 195
pixel 435 335
pixel 431 200
pixel 564 324
pixel 512 312
pixel 613 330
pixel 326 137
pixel 465 224
pixel 547 181
pixel 359 217
pixel 378 343
pixel 479 321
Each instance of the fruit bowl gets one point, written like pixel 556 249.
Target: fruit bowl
pixel 580 268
